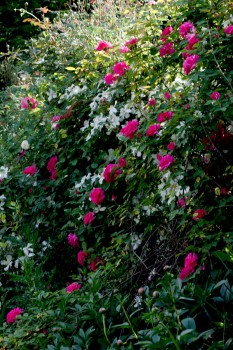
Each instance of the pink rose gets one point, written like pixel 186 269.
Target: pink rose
pixel 181 202
pixel 199 214
pixel 120 68
pixel 165 161
pixel 166 49
pixel 92 265
pixel 111 172
pixel 167 96
pixel 81 257
pixel 122 162
pixel 131 42
pixel 11 316
pixel 54 122
pixel 215 95
pixel 152 130
pixel 151 101
pixel 88 218
pixel 224 191
pixel 124 49
pixel 103 45
pixel 164 115
pixel 97 195
pixel 186 28
pixel 30 170
pixel 229 30
pixel 190 264
pixel 28 102
pixel 130 128
pixel 190 63
pixel 73 286
pixel 171 146
pixel 165 33
pixel 110 78
pixel 73 240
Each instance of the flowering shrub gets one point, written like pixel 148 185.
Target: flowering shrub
pixel 134 153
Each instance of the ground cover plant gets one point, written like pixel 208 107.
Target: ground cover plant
pixel 116 180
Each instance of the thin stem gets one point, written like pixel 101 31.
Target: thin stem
pixel 127 317
pixel 105 330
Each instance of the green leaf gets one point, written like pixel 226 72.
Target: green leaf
pixel 189 323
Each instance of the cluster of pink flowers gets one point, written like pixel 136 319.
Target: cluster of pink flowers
pixel 165 33
pixel 73 240
pixel 111 172
pixel 30 170
pixel 119 69
pixel 229 30
pixel 171 146
pixel 152 130
pixel 82 257
pixel 88 218
pixel 11 316
pixel 103 46
pixel 151 101
pixel 215 95
pixel 130 128
pixel 28 103
pixel 190 264
pixel 128 45
pixel 51 166
pixel 166 49
pixel 73 286
pixel 188 31
pixel 164 116
pixel 199 214
pixel 97 195
pixel 164 161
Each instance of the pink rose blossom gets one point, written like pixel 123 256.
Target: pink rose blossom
pixel 166 49
pixel 124 49
pixel 88 218
pixel 165 161
pixel 73 240
pixel 190 264
pixel 113 197
pixel 167 96
pixel 92 265
pixel 97 195
pixel 190 63
pixel 30 170
pixel 130 128
pixel 111 172
pixel 224 191
pixel 103 45
pixel 120 68
pixel 229 30
pixel 199 214
pixel 122 162
pixel 152 130
pixel 11 316
pixel 81 257
pixel 165 33
pixel 51 167
pixel 164 116
pixel 110 78
pixel 131 42
pixel 186 28
pixel 215 95
pixel 151 101
pixel 73 286
pixel 171 146
pixel 187 106
pixel 54 122
pixel 181 202
pixel 28 102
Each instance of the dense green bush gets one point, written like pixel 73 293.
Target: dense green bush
pixel 141 149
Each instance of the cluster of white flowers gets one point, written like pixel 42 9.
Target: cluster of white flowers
pixel 71 91
pixel 90 178
pixel 3 172
pixel 52 94
pixel 170 189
